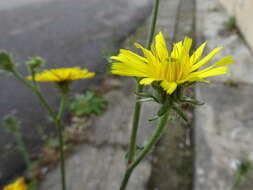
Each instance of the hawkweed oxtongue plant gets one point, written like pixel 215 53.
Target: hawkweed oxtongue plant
pixel 168 73
pixel 61 77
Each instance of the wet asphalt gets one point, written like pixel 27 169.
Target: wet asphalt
pixel 65 33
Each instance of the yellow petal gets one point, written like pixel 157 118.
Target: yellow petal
pixel 187 45
pixel 221 62
pixel 62 74
pixel 169 87
pixel 147 53
pixel 214 72
pixel 161 47
pixel 127 55
pixel 19 184
pixel 206 59
pixel 177 49
pixel 129 69
pixel 198 53
pixel 146 81
pixel 224 61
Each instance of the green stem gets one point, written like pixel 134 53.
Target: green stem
pixel 22 79
pixel 135 125
pixel 153 140
pixel 61 140
pixel 22 149
pixel 57 118
pixel 139 89
pixel 36 90
pixel 153 24
pixel 237 181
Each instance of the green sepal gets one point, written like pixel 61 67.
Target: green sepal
pixel 162 110
pixel 145 100
pixel 154 118
pixel 188 84
pixel 180 113
pixel 147 95
pixel 139 147
pixel 160 113
pixel 63 87
pixel 192 101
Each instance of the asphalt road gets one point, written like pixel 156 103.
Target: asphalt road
pixel 65 33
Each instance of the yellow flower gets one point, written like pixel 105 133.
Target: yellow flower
pixel 62 75
pixel 19 184
pixel 171 69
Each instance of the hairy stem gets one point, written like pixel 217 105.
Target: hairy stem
pixel 153 140
pixel 139 89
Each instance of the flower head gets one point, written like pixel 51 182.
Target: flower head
pixel 62 75
pixel 19 184
pixel 170 69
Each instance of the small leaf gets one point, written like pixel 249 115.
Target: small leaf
pixel 88 103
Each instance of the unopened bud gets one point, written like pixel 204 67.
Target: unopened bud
pixel 6 62
pixel 35 62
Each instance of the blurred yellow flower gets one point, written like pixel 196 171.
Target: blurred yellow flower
pixel 62 75
pixel 19 184
pixel 171 69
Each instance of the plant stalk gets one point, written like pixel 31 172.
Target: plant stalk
pixel 22 148
pixel 36 90
pixel 61 140
pixel 56 118
pixel 153 140
pixel 139 89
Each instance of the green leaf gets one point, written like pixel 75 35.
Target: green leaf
pixel 87 104
pixel 53 142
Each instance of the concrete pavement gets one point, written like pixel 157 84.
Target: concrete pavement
pixel 223 128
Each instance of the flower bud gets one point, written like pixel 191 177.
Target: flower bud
pixel 6 62
pixel 35 62
pixel 11 124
